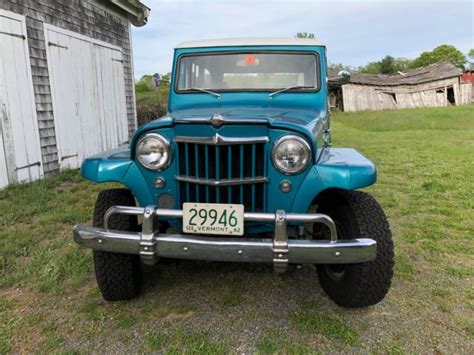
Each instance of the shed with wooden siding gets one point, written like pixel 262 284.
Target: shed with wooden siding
pixel 434 85
pixel 66 82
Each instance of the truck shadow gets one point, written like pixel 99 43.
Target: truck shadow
pixel 194 284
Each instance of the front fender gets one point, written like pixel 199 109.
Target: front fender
pixel 116 166
pixel 342 168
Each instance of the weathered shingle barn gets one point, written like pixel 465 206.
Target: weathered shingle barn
pixel 66 82
pixel 434 85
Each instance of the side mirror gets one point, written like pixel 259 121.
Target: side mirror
pixel 343 77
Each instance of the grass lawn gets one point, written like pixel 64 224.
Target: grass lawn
pixel 49 300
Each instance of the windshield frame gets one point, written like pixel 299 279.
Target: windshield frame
pixel 251 51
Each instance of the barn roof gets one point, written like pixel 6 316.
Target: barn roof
pixel 137 11
pixel 437 71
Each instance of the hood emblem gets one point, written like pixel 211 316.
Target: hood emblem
pixel 217 120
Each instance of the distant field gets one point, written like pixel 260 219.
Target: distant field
pixel 49 300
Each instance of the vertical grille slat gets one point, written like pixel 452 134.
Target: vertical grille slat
pixel 264 153
pixel 186 162
pixel 202 165
pixel 206 158
pixel 241 161
pixel 218 173
pixel 229 173
pixel 254 169
pixel 196 169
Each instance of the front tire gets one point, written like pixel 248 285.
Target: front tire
pixel 357 214
pixel 118 275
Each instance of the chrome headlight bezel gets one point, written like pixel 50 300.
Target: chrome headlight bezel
pixel 301 141
pixel 166 144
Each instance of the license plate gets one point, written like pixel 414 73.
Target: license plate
pixel 213 218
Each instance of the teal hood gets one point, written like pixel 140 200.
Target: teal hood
pixel 307 122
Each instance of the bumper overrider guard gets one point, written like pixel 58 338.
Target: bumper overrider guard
pixel 281 251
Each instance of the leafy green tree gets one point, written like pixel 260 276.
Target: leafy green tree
pixel 402 64
pixel 387 65
pixel 337 67
pixel 305 35
pixel 144 84
pixel 152 101
pixel 443 53
pixel 470 56
pixel 370 68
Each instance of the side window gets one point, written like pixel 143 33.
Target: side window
pixel 206 79
pixel 181 75
pixel 193 75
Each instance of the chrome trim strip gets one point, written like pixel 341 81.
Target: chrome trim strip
pixel 217 139
pixel 225 182
pixel 223 121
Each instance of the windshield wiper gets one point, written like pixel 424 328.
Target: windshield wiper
pixel 270 95
pixel 218 96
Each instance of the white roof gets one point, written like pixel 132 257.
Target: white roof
pixel 242 42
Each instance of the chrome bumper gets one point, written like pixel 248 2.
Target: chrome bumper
pixel 280 250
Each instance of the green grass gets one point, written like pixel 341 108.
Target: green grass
pixel 277 345
pixel 328 325
pixel 182 342
pixel 49 301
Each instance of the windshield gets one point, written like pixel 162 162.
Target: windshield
pixel 249 71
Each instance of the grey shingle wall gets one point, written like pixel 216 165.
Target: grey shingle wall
pixel 88 17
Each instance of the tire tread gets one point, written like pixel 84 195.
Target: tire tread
pixel 118 275
pixel 367 283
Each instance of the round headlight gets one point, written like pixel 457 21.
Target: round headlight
pixel 153 151
pixel 291 154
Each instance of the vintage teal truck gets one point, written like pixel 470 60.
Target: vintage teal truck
pixel 241 170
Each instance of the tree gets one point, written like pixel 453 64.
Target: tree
pixel 337 67
pixel 305 35
pixel 152 100
pixel 387 65
pixel 443 53
pixel 470 56
pixel 370 68
pixel 402 64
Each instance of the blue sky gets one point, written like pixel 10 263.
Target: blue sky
pixel 355 32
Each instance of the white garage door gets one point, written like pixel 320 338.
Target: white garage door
pixel 20 152
pixel 88 88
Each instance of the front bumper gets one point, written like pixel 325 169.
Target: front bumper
pixel 280 250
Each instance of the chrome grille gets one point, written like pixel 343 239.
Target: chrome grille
pixel 222 170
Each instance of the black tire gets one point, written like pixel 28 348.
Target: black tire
pixel 357 285
pixel 118 275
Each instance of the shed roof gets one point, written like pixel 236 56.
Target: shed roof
pixel 241 42
pixel 137 11
pixel 437 71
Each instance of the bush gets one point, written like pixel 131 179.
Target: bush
pixel 151 106
pixel 152 101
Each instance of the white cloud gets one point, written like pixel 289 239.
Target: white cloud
pixel 355 32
